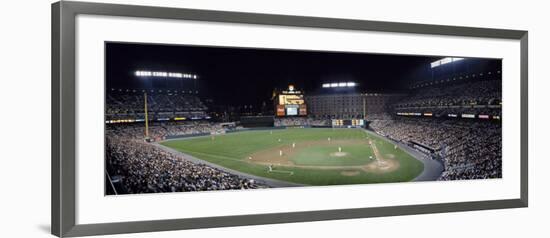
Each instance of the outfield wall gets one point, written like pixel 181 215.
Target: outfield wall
pixel 244 129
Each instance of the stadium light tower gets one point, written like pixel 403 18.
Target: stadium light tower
pixel 443 61
pixel 164 74
pixel 156 76
pixel 339 85
pixel 146 117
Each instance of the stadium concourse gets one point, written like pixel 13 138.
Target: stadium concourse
pixel 431 119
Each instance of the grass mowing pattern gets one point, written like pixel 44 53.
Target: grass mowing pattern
pixel 231 150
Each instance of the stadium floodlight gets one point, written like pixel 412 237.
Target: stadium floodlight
pixel 143 73
pixel 445 61
pixel 175 75
pixel 340 85
pixel 162 74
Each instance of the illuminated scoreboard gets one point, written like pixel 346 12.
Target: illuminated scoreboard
pixel 290 103
pixel 291 99
pixel 342 123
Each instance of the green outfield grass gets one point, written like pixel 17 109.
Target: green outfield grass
pixel 311 158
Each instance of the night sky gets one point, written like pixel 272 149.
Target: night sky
pixel 236 76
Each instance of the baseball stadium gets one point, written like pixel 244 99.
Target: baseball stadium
pixel 184 118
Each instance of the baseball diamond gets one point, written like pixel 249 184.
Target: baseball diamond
pixel 313 160
pixel 187 118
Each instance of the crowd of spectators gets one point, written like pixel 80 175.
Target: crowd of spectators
pixel 476 98
pixel 131 103
pixel 161 130
pixel 145 168
pixel 300 121
pixel 468 149
pixel 378 116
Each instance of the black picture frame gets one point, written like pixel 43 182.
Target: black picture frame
pixel 64 107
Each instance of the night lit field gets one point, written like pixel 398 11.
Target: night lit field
pixel 314 160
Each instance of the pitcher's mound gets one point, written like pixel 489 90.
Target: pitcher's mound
pixel 384 165
pixel 338 154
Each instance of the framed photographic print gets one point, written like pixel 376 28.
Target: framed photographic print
pixel 166 119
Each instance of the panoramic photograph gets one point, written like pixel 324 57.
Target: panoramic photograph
pixel 186 118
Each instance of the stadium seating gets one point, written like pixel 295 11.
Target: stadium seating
pixel 144 168
pixel 469 148
pixel 122 104
pixel 477 97
pixel 300 121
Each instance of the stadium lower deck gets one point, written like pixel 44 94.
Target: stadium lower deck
pixel 457 127
pixel 143 167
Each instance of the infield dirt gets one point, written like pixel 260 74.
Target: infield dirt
pixel 272 156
